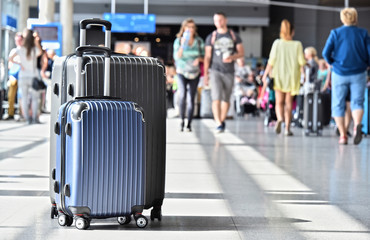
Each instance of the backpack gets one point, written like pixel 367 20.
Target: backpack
pixel 214 35
pixel 213 39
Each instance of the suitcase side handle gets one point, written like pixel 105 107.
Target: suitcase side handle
pixel 98 22
pixel 79 53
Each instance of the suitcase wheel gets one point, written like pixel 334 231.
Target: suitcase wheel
pixel 82 223
pixel 141 220
pixel 53 212
pixel 156 213
pixel 64 220
pixel 124 220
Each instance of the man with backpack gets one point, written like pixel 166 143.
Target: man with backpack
pixel 223 47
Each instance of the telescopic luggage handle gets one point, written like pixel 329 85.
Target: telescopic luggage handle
pixel 98 22
pixel 95 49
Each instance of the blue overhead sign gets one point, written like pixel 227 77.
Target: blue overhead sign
pixel 51 36
pixel 131 22
pixel 9 21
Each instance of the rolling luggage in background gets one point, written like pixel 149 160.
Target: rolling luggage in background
pixel 299 112
pixel 366 117
pixel 100 157
pixel 315 110
pixel 138 79
pixel 313 113
pixel 206 104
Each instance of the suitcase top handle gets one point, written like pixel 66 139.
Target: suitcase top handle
pixel 95 49
pixel 95 21
pixel 99 22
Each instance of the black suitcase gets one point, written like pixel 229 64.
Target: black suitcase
pixel 138 79
pixel 298 115
pixel 313 113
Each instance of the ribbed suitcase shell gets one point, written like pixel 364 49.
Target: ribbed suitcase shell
pixel 313 113
pixel 104 162
pixel 137 79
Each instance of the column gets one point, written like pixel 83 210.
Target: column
pixel 66 19
pixel 46 10
pixel 24 12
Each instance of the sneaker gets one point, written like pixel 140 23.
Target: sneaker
pixel 343 140
pixel 188 128
pixel 278 127
pixel 357 133
pixel 220 129
pixel 288 133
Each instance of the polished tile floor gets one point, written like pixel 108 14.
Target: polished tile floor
pixel 246 183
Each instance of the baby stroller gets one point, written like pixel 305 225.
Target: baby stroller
pixel 245 99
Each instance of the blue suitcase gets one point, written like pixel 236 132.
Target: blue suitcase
pixel 366 117
pixel 100 158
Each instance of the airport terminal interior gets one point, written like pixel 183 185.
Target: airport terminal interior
pixel 244 183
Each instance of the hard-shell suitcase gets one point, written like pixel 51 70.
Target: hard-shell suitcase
pixel 313 113
pixel 100 158
pixel 206 104
pixel 299 112
pixel 313 107
pixel 137 79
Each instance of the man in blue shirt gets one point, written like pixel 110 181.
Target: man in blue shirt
pixel 348 51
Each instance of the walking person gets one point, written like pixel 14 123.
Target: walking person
pixel 285 66
pixel 28 53
pixel 13 77
pixel 347 50
pixel 223 48
pixel 188 52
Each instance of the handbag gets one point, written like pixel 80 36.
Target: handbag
pixel 38 84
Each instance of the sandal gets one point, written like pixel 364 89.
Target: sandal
pixel 343 140
pixel 278 127
pixel 357 133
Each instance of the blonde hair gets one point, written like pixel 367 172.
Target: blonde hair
pixel 286 30
pixel 183 25
pixel 349 16
pixel 312 51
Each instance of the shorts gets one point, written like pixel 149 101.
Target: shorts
pixel 221 85
pixel 342 86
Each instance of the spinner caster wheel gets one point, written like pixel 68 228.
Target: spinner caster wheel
pixel 82 223
pixel 62 220
pixel 141 221
pixel 124 220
